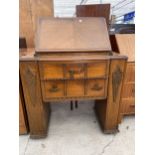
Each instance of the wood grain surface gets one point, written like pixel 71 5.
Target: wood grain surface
pixel 29 12
pixel 72 34
pixel 126 45
pixel 94 10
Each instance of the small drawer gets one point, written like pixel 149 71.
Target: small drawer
pixel 128 106
pixel 128 90
pixel 53 89
pixel 96 88
pixel 97 69
pixel 130 73
pixel 51 71
pixel 75 88
pixel 74 71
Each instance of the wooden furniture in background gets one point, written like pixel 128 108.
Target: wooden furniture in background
pixel 72 61
pixel 29 12
pixel 94 10
pixel 23 124
pixel 125 44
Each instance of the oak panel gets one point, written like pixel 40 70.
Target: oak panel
pixel 75 88
pixel 130 73
pixel 53 89
pixel 75 71
pixel 51 71
pixel 128 106
pixel 96 88
pixel 128 90
pixel 97 69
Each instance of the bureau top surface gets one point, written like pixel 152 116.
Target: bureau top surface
pixel 72 34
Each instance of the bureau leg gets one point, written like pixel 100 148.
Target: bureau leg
pixel 76 104
pixel 108 110
pixel 37 111
pixel 71 104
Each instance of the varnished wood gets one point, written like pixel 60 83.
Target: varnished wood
pixel 97 69
pixel 29 12
pixel 41 8
pixel 36 110
pixel 94 10
pixel 125 44
pixel 75 88
pixel 23 122
pixel 25 22
pixel 108 113
pixel 96 87
pixel 81 34
pixel 74 73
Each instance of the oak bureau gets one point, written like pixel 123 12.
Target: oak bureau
pixel 72 60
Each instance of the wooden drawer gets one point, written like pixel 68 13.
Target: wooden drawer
pixel 96 87
pixel 97 69
pixel 128 106
pixel 128 90
pixel 75 71
pixel 75 88
pixel 49 70
pixel 73 79
pixel 130 73
pixel 53 89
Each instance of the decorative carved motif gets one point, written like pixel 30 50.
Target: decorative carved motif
pixel 96 87
pixel 30 77
pixel 54 89
pixel 116 80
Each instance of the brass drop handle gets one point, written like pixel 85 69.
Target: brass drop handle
pixel 96 87
pixel 54 88
pixel 71 72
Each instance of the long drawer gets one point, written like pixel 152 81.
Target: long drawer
pixel 50 70
pixel 68 80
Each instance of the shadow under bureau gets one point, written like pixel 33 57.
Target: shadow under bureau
pixel 72 61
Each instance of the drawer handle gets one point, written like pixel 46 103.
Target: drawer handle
pixel 96 87
pixel 54 88
pixel 72 72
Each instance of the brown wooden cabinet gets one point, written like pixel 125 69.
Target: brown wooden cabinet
pixel 72 61
pixel 125 44
pixel 23 122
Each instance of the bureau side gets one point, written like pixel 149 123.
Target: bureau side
pixel 108 110
pixel 37 111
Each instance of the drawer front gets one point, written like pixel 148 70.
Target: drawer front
pixel 53 89
pixel 75 71
pixel 128 90
pixel 128 106
pixel 75 88
pixel 130 73
pixel 51 71
pixel 60 81
pixel 96 88
pixel 97 69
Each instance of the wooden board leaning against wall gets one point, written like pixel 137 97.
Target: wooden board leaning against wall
pixel 29 11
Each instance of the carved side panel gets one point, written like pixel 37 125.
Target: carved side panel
pixel 116 76
pixel 116 81
pixel 36 109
